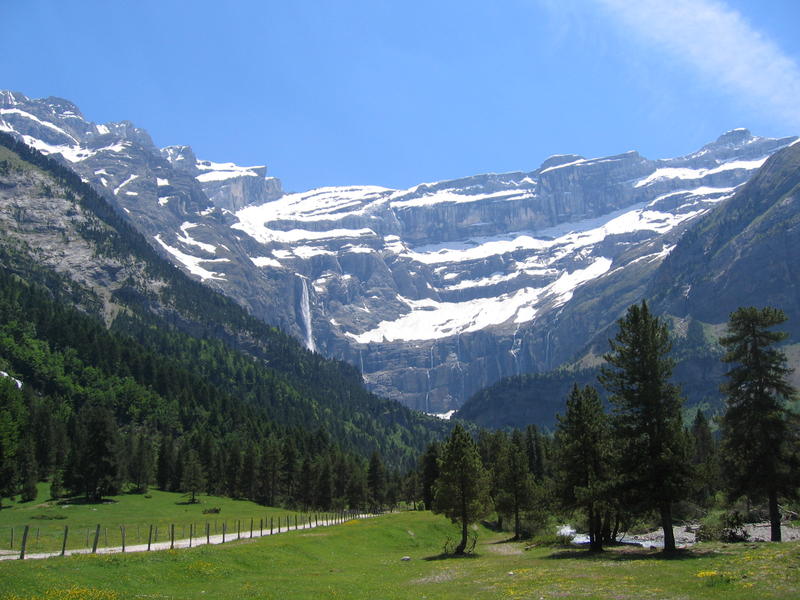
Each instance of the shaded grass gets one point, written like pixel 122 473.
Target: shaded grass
pixel 136 512
pixel 363 559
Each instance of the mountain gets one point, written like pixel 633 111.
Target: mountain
pixel 743 252
pixel 433 292
pixel 105 307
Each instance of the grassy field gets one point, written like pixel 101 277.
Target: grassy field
pixel 363 559
pixel 136 512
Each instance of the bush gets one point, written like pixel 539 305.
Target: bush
pixel 212 511
pixel 723 527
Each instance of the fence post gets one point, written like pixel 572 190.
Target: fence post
pixel 191 531
pixel 64 543
pixel 24 543
pixel 172 536
pixel 96 539
pixel 261 527
pixel 122 529
pixel 251 527
pixel 105 531
pixel 12 538
pixel 208 532
pixel 224 530
pixel 149 538
pixel 238 529
pixel 270 525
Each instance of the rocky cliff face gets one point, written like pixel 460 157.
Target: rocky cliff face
pixel 433 292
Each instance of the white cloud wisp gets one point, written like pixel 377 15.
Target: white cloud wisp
pixel 719 43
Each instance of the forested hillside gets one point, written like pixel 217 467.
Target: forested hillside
pixel 119 354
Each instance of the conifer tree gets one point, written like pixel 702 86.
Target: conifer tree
pixel 759 439
pixel 584 459
pixel 28 470
pixel 704 459
pixel 516 492
pixel 429 473
pixel 462 490
pixel 376 482
pixel 194 479
pixel 269 471
pixel 653 454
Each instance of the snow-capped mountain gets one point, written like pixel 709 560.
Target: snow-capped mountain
pixel 434 291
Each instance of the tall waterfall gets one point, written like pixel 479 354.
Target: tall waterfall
pixel 305 308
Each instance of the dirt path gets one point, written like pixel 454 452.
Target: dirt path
pixel 193 542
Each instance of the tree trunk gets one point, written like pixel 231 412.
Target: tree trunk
pixel 666 524
pixel 774 517
pixel 463 544
pixel 595 531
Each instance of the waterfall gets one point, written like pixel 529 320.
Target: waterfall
pixel 305 308
pixel 547 349
pixel 516 346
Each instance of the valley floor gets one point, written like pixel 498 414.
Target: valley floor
pixel 398 556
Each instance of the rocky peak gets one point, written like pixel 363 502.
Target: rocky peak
pixel 560 159
pixel 181 158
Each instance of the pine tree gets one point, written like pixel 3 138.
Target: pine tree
pixel 516 492
pixel 654 461
pixel 429 473
pixel 28 470
pixel 704 459
pixel 462 490
pixel 759 441
pixel 141 461
pixel 194 479
pixel 583 440
pixel 323 489
pixel 269 471
pixel 376 482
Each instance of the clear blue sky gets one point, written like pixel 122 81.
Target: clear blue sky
pixel 395 93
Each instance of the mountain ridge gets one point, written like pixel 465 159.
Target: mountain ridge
pixel 432 292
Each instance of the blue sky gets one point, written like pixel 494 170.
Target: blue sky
pixel 396 93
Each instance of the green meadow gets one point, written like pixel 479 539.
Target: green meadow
pixel 364 559
pixel 135 512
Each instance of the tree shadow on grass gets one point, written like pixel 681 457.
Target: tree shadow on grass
pixel 625 554
pixel 449 556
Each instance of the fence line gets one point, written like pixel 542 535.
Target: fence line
pixel 305 521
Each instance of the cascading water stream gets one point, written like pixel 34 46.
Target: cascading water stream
pixel 305 308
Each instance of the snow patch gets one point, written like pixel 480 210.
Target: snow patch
pixel 192 263
pixel 187 239
pixel 265 261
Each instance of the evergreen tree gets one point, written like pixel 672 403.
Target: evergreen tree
pixel 289 468
pixel 493 450
pixel 759 441
pixel 98 467
pixel 516 492
pixel 704 459
pixel 583 442
pixel 376 482
pixel 535 449
pixel 194 479
pixel 462 490
pixel 357 489
pixel 430 473
pixel 140 464
pixel 166 462
pixel 323 492
pixel 269 471
pixel 305 486
pixel 28 472
pixel 653 456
